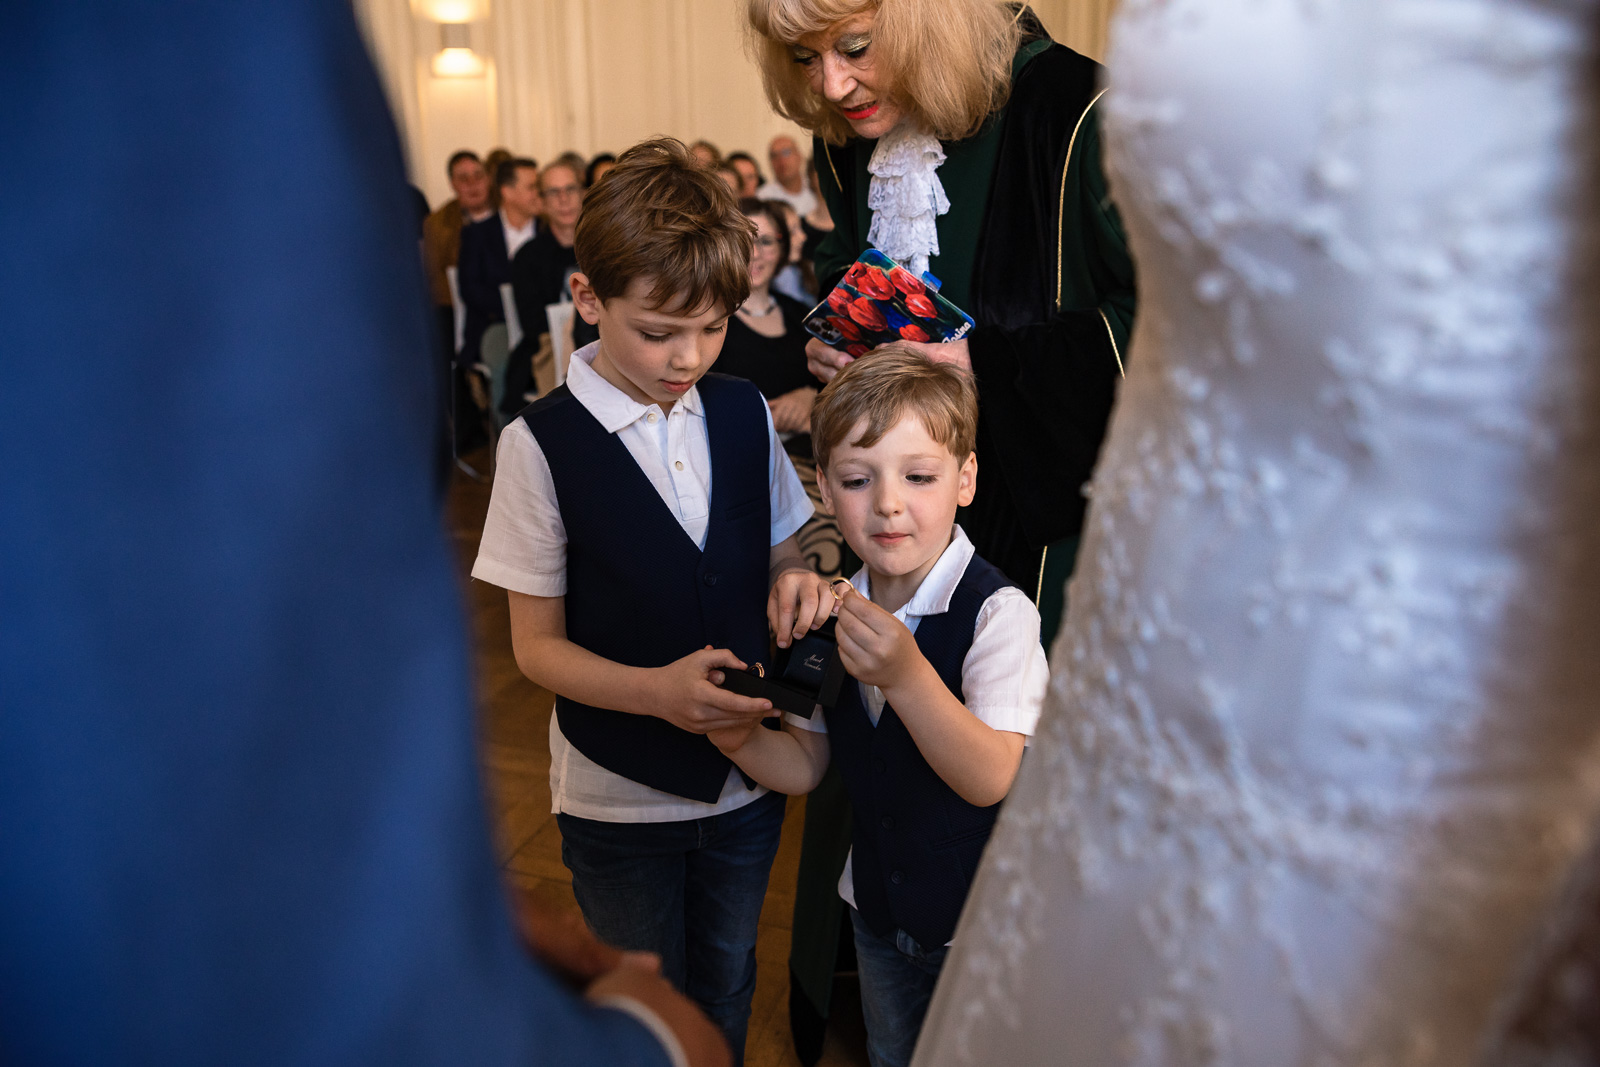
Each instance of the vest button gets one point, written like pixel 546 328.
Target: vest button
pixel 886 822
pixel 882 766
pixel 896 877
pixel 710 579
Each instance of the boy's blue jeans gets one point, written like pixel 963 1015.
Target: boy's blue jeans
pixel 689 891
pixel 897 980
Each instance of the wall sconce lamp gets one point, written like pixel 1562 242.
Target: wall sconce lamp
pixel 451 10
pixel 455 58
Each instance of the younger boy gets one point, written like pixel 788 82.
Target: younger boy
pixel 949 678
pixel 640 515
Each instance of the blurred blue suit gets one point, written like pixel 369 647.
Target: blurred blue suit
pixel 240 816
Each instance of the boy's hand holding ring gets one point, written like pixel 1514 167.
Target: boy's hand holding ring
pixel 798 604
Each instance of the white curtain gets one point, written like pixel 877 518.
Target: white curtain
pixel 593 76
pixel 1078 24
pixel 575 74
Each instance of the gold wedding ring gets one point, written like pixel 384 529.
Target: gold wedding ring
pixel 833 587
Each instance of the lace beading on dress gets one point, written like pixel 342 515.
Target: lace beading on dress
pixel 1319 755
pixel 906 196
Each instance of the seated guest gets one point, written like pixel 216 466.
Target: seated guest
pixel 706 153
pixel 795 278
pixel 766 344
pixel 539 274
pixel 749 174
pixel 597 168
pixel 816 223
pixel 487 248
pixel 441 235
pixel 419 205
pixel 574 162
pixel 730 174
pixel 788 176
pixel 491 167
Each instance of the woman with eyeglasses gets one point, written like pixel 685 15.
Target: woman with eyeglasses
pixel 795 277
pixel 539 274
pixel 767 345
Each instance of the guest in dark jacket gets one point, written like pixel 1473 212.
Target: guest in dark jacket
pixel 441 236
pixel 597 168
pixel 487 248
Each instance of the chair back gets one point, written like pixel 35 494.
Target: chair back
pixel 559 316
pixel 508 303
pixel 494 354
pixel 460 309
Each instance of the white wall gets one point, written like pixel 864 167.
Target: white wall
pixel 1079 24
pixel 593 75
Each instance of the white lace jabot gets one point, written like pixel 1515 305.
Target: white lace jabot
pixel 906 196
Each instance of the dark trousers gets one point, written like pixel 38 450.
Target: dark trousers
pixel 897 980
pixel 467 419
pixel 519 377
pixel 689 891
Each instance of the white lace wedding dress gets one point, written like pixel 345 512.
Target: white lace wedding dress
pixel 1322 749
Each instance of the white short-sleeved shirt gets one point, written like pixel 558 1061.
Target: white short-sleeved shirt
pixel 1004 675
pixel 804 202
pixel 524 549
pixel 517 236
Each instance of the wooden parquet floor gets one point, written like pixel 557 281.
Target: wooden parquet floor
pixel 514 724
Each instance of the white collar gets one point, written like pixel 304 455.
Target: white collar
pixel 526 227
pixel 610 406
pixel 938 585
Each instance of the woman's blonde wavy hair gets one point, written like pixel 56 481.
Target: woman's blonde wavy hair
pixel 947 62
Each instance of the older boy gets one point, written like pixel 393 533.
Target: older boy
pixel 640 515
pixel 950 677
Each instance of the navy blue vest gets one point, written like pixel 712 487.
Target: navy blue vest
pixel 640 592
pixel 916 842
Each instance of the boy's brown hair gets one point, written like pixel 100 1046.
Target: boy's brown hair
pixel 660 215
pixel 881 388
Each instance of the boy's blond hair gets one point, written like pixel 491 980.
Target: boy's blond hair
pixel 662 216
pixel 881 388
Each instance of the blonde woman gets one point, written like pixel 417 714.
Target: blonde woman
pixel 957 138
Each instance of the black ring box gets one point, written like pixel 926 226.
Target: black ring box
pixel 803 677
